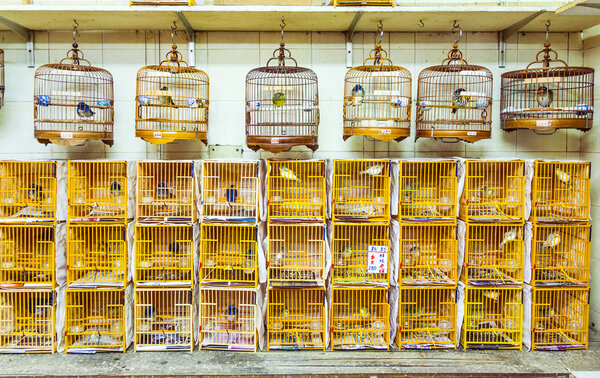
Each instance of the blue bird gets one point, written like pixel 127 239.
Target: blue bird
pixel 231 313
pixel 165 100
pixel 115 189
pixel 149 313
pixel 459 100
pixel 35 193
pixel 174 248
pixel 84 111
pixel 42 100
pixel 162 191
pixel 231 194
pixel 104 102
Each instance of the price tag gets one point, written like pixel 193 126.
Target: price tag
pixel 378 259
pixel 543 123
pixel 472 133
pixel 66 135
pixel 157 134
pixel 275 140
pixel 385 131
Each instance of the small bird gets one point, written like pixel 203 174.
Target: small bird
pixel 149 314
pixel 162 191
pixel 104 102
pixel 102 246
pixel 84 111
pixel 563 176
pixel 174 248
pixel 115 189
pixel 288 174
pixel 285 313
pixel 35 193
pixel 412 257
pixel 248 262
pixel 544 96
pixel 345 255
pixel 143 100
pixel 165 100
pixel 279 257
pixel 364 312
pixel 231 313
pixel 491 294
pixel 459 100
pixel 357 94
pixel 549 313
pixel 552 240
pixel 278 99
pixel 509 235
pixel 373 170
pixel 231 194
pixel 487 191
pixel 42 100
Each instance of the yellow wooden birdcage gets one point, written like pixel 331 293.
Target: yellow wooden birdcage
pixel 427 189
pixel 166 191
pixel 296 254
pixel 360 318
pixel 27 321
pixel 494 253
pixel 230 191
pixel 228 254
pixel 493 317
pixel 164 254
pixel 494 190
pixel 560 254
pixel 296 190
pixel 296 319
pixel 426 317
pixel 27 255
pixel 364 2
pixel 97 190
pixel 96 255
pixel 228 319
pixel 559 318
pixel 560 191
pixel 361 190
pixel 163 319
pixel 95 321
pixel 28 190
pixel 361 254
pixel 428 253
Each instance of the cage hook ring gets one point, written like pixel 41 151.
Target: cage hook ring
pixel 174 32
pixel 283 25
pixel 379 34
pixel 455 26
pixel 75 32
pixel 548 23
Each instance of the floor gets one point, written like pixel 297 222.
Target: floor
pixel 581 364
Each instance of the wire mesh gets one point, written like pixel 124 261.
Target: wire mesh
pixel 228 319
pixel 295 319
pixel 163 319
pixel 1 78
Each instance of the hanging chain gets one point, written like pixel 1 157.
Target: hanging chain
pixel 455 54
pixel 547 30
pixel 74 51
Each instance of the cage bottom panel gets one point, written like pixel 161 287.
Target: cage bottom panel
pixel 280 144
pixel 559 340
pixel 228 338
pixel 469 136
pixel 382 134
pixel 426 339
pixel 295 339
pixel 360 338
pixel 547 123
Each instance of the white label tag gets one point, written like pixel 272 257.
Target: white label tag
pixel 472 133
pixel 543 123
pixel 275 140
pixel 66 135
pixel 385 131
pixel 157 134
pixel 378 259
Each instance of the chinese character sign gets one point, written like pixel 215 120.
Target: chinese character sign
pixel 378 259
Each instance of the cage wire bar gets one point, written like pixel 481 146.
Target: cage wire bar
pixel 27 321
pixel 166 192
pixel 282 104
pixel 164 255
pixel 295 319
pixel 97 190
pixel 27 256
pixel 427 317
pixel 163 319
pixel 560 191
pixel 228 319
pixel 228 254
pixel 361 190
pixel 230 191
pixel 28 190
pixel 94 321
pixel 1 78
pixel 360 318
pixel 427 190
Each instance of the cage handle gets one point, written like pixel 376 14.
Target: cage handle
pixel 546 59
pixel 281 58
pixel 378 55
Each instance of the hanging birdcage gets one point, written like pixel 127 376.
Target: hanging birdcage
pixel 547 98
pixel 377 98
pixel 1 78
pixel 454 100
pixel 73 101
pixel 282 105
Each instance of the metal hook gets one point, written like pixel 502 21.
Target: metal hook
pixel 75 31
pixel 421 24
pixel 547 29
pixel 460 32
pixel 174 32
pixel 379 33
pixel 283 25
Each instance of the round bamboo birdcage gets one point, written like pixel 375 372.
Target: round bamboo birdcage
pixel 377 98
pixel 171 101
pixel 547 98
pixel 1 78
pixel 73 101
pixel 282 105
pixel 454 100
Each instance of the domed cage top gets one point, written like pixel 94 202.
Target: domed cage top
pixel 73 102
pixel 282 105
pixel 377 98
pixel 454 100
pixel 171 101
pixel 1 78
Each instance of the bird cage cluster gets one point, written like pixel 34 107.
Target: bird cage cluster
pixel 360 318
pixel 228 319
pixel 295 318
pixel 377 98
pixel 162 2
pixel 95 320
pixel 493 317
pixel 282 104
pixel 163 319
pixel 1 78
pixel 73 101
pixel 364 2
pixel 426 317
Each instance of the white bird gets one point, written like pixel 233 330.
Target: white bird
pixel 279 257
pixel 509 235
pixel 373 170
pixel 552 240
pixel 288 174
pixel 563 176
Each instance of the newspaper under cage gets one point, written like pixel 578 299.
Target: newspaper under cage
pixel 360 318
pixel 361 190
pixel 560 254
pixel 428 253
pixel 228 319
pixel 427 190
pixel 166 191
pixel 282 105
pixel 494 191
pixel 559 318
pixel 28 190
pixel 493 317
pixel 377 98
pixel 27 256
pixel 560 191
pixel 361 254
pixel 228 254
pixel 296 319
pixel 94 320
pixel 230 191
pixel 427 317
pixel 1 78
pixel 97 190
pixel 164 255
pixel 163 319
pixel 27 321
